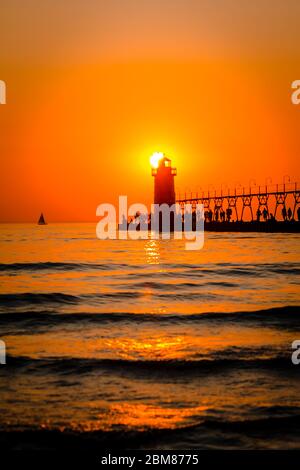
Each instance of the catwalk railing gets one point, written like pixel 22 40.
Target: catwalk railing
pixel 263 202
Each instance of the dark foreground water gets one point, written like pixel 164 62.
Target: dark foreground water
pixel 141 344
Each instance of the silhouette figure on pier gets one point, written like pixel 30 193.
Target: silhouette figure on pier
pixel 284 213
pixel 228 214
pixel 265 214
pixel 258 215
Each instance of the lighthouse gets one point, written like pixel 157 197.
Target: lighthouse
pixel 164 190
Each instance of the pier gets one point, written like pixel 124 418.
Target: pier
pixel 257 208
pixel 268 208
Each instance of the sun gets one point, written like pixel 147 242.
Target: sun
pixel 155 158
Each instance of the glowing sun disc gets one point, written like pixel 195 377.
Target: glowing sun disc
pixel 155 158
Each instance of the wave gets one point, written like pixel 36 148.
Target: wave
pixel 57 266
pixel 181 285
pixel 156 368
pixel 32 298
pixel 261 424
pixel 285 316
pixel 237 268
pixel 27 298
pixel 260 269
pixel 277 429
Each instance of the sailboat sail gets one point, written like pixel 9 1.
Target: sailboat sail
pixel 42 220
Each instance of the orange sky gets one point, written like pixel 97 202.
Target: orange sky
pixel 94 87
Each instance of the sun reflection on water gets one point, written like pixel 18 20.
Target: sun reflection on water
pixel 152 250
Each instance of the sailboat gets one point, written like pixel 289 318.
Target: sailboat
pixel 42 220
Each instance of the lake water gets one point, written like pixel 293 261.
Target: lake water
pixel 142 344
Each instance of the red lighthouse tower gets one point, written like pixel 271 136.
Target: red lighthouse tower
pixel 164 191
